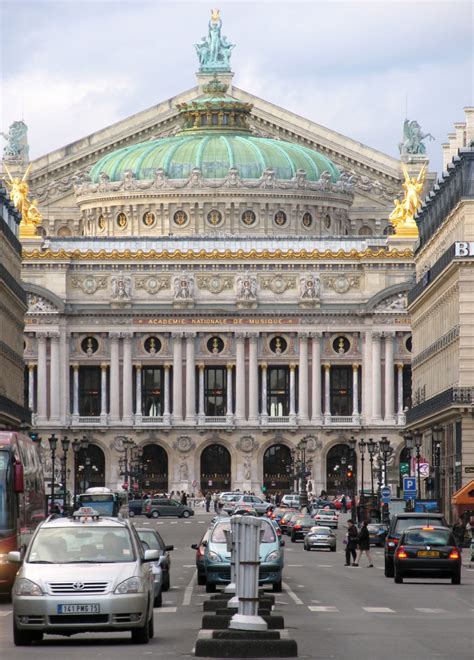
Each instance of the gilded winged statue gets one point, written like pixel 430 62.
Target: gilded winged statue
pixel 403 215
pixel 19 190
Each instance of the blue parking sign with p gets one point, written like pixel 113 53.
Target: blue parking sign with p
pixel 409 485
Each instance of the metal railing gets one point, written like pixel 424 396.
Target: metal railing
pixel 454 396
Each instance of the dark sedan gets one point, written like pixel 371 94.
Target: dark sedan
pixel 164 506
pixel 427 552
pixel 135 508
pixel 154 541
pixel 301 527
pixel 285 518
pixel 377 533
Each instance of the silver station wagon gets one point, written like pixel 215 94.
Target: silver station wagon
pixel 83 574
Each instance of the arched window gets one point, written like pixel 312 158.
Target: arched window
pixel 90 468
pixel 215 468
pixel 277 468
pixel 365 231
pixel 341 470
pixel 155 469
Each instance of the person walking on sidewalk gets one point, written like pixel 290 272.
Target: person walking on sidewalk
pixel 351 543
pixel 364 545
pixel 208 500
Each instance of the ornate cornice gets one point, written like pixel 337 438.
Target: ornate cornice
pixel 178 255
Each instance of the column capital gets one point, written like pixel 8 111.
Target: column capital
pixel 114 336
pixel 376 335
pixel 316 335
pixel 189 335
pixel 127 336
pixel 399 365
pixel 239 336
pixel 253 337
pixel 104 366
pixel 137 365
pixel 41 337
pixel 167 365
pixel 389 334
pixel 230 365
pixel 263 365
pixel 355 366
pixel 303 336
pixel 200 366
pixel 327 366
pixel 292 366
pixel 31 366
pixel 75 366
pixel 54 336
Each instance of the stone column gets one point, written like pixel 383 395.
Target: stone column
pixel 42 393
pixel 316 416
pixel 240 378
pixel 366 376
pixel 253 378
pixel 54 378
pixel 127 376
pixel 263 401
pixel 376 378
pixel 355 394
pixel 114 399
pixel 400 413
pixel 75 391
pixel 190 378
pixel 292 393
pixel 177 378
pixel 138 393
pixel 31 387
pixel 65 389
pixel 166 403
pixel 201 412
pixel 229 414
pixel 103 392
pixel 303 379
pixel 327 393
pixel 389 379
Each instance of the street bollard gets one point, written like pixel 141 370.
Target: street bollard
pixel 234 537
pixel 246 573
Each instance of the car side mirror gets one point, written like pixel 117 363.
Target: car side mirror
pixel 151 555
pixel 204 543
pixel 168 548
pixel 194 546
pixel 14 557
pixel 282 542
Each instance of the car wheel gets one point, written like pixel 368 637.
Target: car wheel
pixel 201 580
pixel 305 547
pixel 333 549
pixel 277 587
pixel 155 514
pixel 398 577
pixel 166 581
pixel 158 602
pixel 388 569
pixel 293 538
pixel 186 514
pixel 456 578
pixel 131 514
pixel 210 588
pixel 142 635
pixel 25 637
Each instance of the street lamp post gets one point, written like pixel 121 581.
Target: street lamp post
pixel 53 443
pixel 302 473
pixel 372 449
pixel 385 451
pixel 418 440
pixel 408 438
pixel 352 446
pixel 362 447
pixel 65 442
pixel 437 435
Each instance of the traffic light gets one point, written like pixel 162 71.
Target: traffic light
pixel 264 489
pixel 349 474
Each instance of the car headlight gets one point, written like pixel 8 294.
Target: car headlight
pixel 24 587
pixel 133 585
pixel 273 556
pixel 213 556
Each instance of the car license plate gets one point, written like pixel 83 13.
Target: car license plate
pixel 427 553
pixel 83 608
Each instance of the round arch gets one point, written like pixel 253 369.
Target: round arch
pixel 155 469
pixel 90 468
pixel 276 468
pixel 341 470
pixel 215 468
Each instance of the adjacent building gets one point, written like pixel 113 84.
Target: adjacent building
pixel 441 306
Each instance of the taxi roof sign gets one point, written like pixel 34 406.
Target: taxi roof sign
pixel 85 512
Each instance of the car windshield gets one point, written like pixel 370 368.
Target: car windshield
pixel 151 539
pixel 80 544
pixel 404 523
pixel 305 520
pixel 218 536
pixel 230 498
pixel 324 512
pixel 321 531
pixel 427 537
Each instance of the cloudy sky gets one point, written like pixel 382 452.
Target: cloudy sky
pixel 71 67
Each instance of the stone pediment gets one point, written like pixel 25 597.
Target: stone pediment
pixel 376 175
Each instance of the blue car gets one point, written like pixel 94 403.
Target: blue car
pixel 217 557
pixel 377 533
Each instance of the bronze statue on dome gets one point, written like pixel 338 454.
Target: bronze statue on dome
pixel 214 51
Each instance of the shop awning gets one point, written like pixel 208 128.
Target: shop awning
pixel 464 495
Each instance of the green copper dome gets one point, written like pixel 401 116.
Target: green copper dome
pixel 214 154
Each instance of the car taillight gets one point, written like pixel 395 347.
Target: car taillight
pixel 297 526
pixel 454 554
pixel 401 554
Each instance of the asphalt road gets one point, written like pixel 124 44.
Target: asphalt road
pixel 331 610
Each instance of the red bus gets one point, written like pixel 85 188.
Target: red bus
pixel 22 498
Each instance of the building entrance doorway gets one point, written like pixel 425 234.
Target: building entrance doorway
pixel 215 469
pixel 341 470
pixel 276 469
pixel 155 469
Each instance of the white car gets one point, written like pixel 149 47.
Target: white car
pixel 83 574
pixel 291 500
pixel 327 517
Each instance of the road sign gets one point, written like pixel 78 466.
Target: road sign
pixel 409 485
pixel 386 494
pixel 195 483
pixel 404 468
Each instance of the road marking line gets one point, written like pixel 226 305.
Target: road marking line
pixel 379 610
pixel 324 565
pixel 166 610
pixel 281 602
pixel 174 522
pixel 147 523
pixel 201 522
pixel 430 610
pixel 189 565
pixel 322 608
pixel 292 594
pixel 188 592
pixel 186 522
pixel 295 565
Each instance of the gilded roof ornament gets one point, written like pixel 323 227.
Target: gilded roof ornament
pixel 19 195
pixel 403 215
pixel 214 51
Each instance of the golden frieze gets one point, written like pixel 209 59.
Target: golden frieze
pixel 191 255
